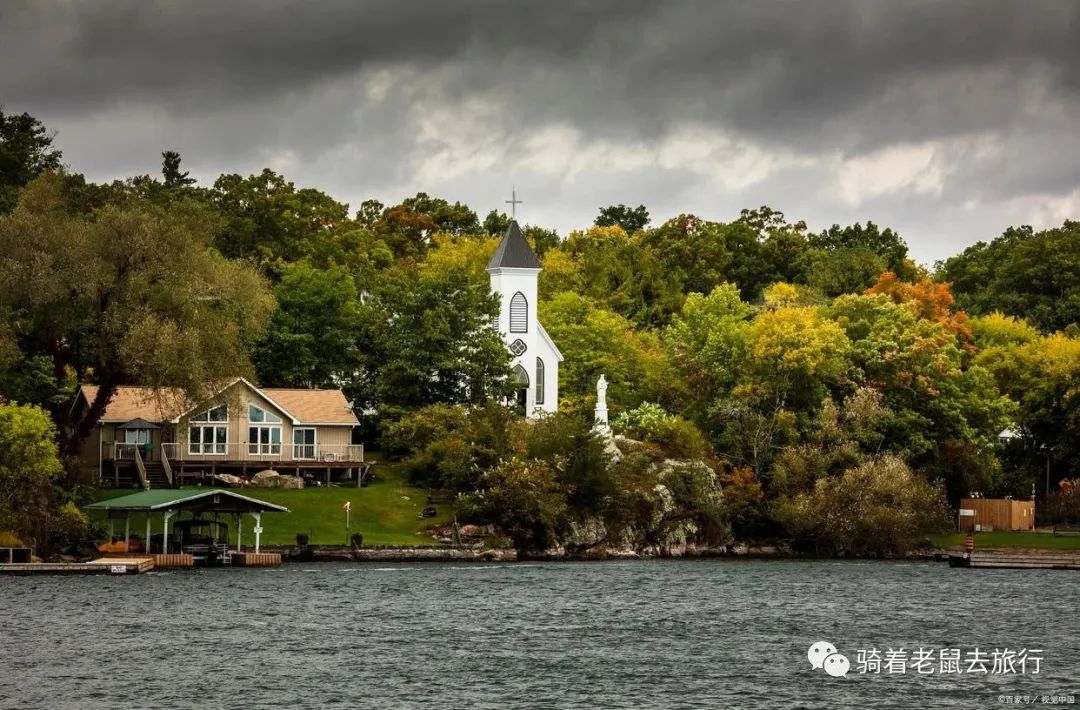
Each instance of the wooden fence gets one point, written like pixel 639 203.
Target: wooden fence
pixel 996 514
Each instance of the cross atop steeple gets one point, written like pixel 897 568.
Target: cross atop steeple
pixel 513 202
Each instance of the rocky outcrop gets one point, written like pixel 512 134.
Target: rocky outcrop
pixel 398 554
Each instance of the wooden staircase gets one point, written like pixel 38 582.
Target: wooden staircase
pixel 155 475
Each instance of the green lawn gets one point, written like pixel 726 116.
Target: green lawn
pixel 1019 540
pixel 385 512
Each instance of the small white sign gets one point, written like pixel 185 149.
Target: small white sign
pixel 118 569
pixel 258 530
pixel 967 513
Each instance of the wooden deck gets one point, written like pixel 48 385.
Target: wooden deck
pixel 1019 559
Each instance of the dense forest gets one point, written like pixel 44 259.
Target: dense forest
pixel 770 381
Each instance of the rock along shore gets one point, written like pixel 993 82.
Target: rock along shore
pixel 343 553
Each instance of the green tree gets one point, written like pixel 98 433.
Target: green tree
pixel 836 272
pixel 496 223
pixel 171 173
pixel 456 219
pixel 856 238
pixel 312 338
pixel 630 219
pixel 268 220
pixel 597 342
pixel 1023 273
pixel 26 151
pixel 134 293
pixel 369 213
pixel 947 412
pixel 1042 376
pixel 427 339
pixel 706 343
pixel 29 462
pixel 613 269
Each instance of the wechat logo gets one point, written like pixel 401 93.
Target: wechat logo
pixel 823 655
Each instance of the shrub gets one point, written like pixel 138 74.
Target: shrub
pixel 9 539
pixel 415 431
pixel 879 507
pixel 1060 507
pixel 526 500
pixel 678 438
pixel 70 527
pixel 580 457
pixel 449 447
pixel 640 419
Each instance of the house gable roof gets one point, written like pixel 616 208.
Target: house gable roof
pixel 137 403
pixel 513 252
pixel 315 406
pixel 300 406
pixel 240 380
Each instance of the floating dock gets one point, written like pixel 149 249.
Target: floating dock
pixel 256 559
pixel 104 565
pixel 1017 559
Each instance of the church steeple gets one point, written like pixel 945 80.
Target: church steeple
pixel 513 251
pixel 514 271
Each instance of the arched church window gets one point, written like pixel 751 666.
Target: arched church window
pixel 521 378
pixel 519 313
pixel 539 381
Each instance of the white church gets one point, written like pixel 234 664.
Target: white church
pixel 514 271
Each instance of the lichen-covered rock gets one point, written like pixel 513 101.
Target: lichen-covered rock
pixel 265 479
pixel 589 532
pixel 273 479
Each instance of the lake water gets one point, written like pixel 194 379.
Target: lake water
pixel 701 633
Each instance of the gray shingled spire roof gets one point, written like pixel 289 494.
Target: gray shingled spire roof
pixel 513 252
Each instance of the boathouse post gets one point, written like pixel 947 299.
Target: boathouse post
pixel 127 530
pixel 165 530
pixel 239 530
pixel 258 529
pixel 146 540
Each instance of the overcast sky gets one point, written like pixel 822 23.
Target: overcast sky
pixel 946 121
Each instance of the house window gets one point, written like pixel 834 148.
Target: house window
pixel 259 415
pixel 137 436
pixel 303 443
pixel 519 313
pixel 264 432
pixel 264 439
pixel 539 381
pixel 219 413
pixel 208 432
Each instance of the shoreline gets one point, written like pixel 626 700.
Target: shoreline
pixel 344 553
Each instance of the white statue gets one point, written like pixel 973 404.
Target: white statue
pixel 600 417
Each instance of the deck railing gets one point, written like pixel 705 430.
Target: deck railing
pixel 254 453
pixel 130 452
pixel 166 466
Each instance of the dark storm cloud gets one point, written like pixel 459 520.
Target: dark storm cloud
pixel 769 67
pixel 342 94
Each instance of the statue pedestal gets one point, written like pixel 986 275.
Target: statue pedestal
pixel 600 419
